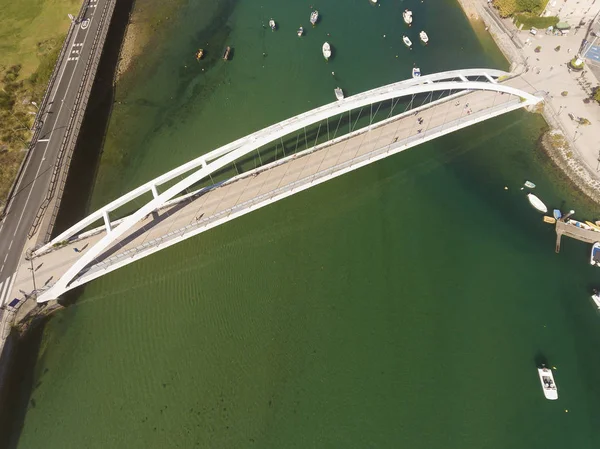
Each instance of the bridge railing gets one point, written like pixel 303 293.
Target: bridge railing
pixel 298 185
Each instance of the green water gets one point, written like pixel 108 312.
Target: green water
pixel 405 304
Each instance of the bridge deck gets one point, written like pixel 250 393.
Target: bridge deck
pixel 270 183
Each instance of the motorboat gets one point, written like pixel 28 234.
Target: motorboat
pixel 407 16
pixel 556 213
pixel 300 31
pixel 339 93
pixel 423 36
pixel 529 185
pixel 547 381
pixel 596 298
pixel 199 54
pixel 226 53
pixel 595 254
pixel 537 203
pixel 407 41
pixel 272 24
pixel 374 2
pixel 416 72
pixel 314 16
pixel 326 51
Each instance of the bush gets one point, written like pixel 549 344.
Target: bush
pixel 564 93
pixel 533 6
pixel 557 48
pixel 584 121
pixel 597 94
pixel 586 100
pixel 538 49
pixel 506 7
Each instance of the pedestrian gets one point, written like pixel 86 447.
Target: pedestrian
pixel 76 250
pixel 568 50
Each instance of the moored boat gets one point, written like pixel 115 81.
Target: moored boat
pixel 272 24
pixel 556 213
pixel 593 226
pixel 199 54
pixel 416 72
pixel 595 254
pixel 407 41
pixel 326 51
pixel 550 220
pixel 407 16
pixel 548 384
pixel 314 16
pixel 537 203
pixel 226 53
pixel 596 298
pixel 423 36
pixel 578 224
pixel 339 93
pixel 373 1
pixel 300 31
pixel 529 185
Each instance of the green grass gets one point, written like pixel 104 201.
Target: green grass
pixel 31 35
pixel 531 20
pixel 30 29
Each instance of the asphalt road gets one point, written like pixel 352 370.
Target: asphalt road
pixel 35 180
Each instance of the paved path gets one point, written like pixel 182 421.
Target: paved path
pixel 34 182
pixel 270 183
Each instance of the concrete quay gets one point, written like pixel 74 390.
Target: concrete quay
pixel 578 150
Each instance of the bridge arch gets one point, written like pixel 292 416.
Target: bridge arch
pixel 213 161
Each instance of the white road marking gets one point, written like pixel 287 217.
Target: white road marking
pixel 9 289
pixel 43 140
pixel 4 290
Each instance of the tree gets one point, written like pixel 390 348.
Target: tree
pixel 505 7
pixel 597 94
pixel 528 5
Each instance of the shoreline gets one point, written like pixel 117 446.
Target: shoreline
pixel 554 142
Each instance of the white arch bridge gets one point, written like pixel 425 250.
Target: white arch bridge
pixel 266 166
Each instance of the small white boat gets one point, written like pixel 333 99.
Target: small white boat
pixel 326 51
pixel 374 1
pixel 547 381
pixel 339 93
pixel 423 36
pixel 596 298
pixel 595 254
pixel 407 16
pixel 416 72
pixel 529 185
pixel 300 31
pixel 407 41
pixel 272 24
pixel 314 16
pixel 537 203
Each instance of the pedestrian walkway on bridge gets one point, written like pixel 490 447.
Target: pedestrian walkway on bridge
pixel 179 218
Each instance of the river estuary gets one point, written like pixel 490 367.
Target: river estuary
pixel 405 304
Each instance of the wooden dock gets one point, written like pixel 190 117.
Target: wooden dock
pixel 574 232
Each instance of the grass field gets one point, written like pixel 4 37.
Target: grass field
pixel 31 34
pixel 29 29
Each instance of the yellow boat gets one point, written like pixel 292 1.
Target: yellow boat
pixel 593 226
pixel 199 54
pixel 550 220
